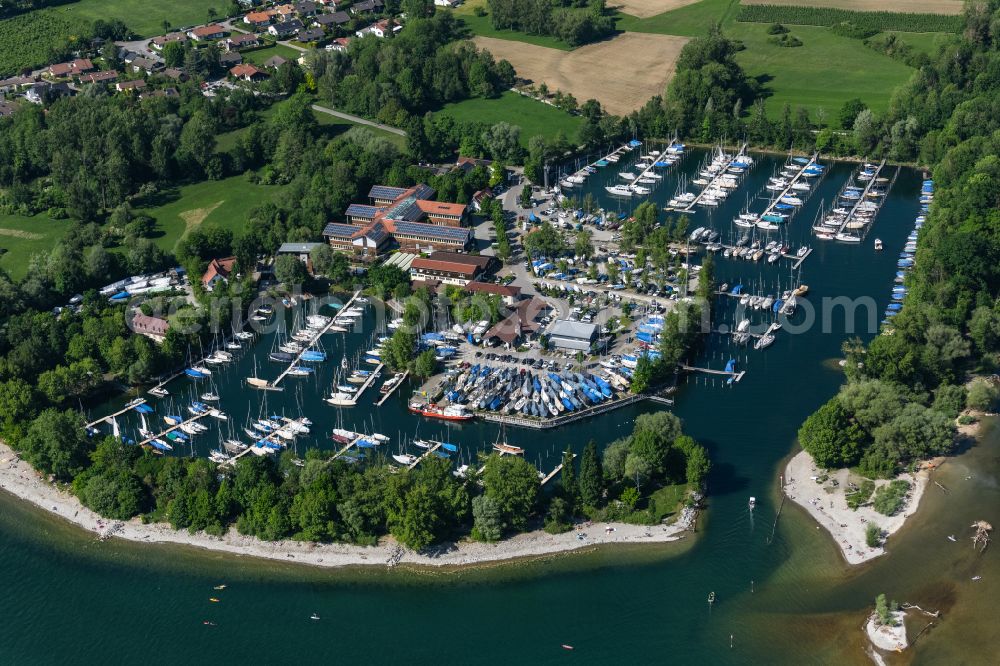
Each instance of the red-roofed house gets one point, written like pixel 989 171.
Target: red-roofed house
pixel 72 68
pixel 97 77
pixel 451 267
pixel 510 294
pixel 520 324
pixel 159 42
pixel 247 72
pixel 218 270
pixel 259 19
pixel 207 32
pixel 123 86
pixel 440 212
pixel 153 328
pixel 480 198
pixel 240 40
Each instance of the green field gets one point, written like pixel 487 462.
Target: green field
pixel 532 116
pixel 922 41
pixel 691 21
pixel 22 237
pixel 481 25
pixel 258 56
pixel 143 16
pixel 214 203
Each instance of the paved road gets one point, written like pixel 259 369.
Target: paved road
pixel 358 119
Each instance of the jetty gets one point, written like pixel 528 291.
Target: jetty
pixel 385 396
pixel 564 418
pixel 172 428
pixel 857 204
pixel 312 341
pixel 429 452
pixel 579 176
pixel 788 188
pixel 551 475
pixel 736 375
pixel 123 410
pixel 368 382
pixel 715 179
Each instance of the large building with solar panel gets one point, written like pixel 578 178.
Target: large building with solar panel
pixel 404 218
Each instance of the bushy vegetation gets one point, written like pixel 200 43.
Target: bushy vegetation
pixel 889 499
pixel 863 21
pixel 873 535
pixel 861 494
pixel 575 22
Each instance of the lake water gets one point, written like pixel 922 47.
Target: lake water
pixel 789 600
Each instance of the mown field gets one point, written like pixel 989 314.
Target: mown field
pixel 947 7
pixel 533 117
pixel 145 17
pixel 258 56
pixel 214 203
pixel 23 237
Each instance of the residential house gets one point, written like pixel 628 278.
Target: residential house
pixel 147 65
pixel 159 42
pixel 508 293
pixel 154 328
pixel 161 92
pixel 240 40
pixel 69 69
pixel 380 29
pixel 285 11
pixel 43 91
pixel 310 35
pixel 259 19
pixel 275 62
pixel 467 164
pixel 247 72
pixel 16 83
pixel 368 7
pixel 218 270
pixel 479 199
pixel 124 86
pixel 99 77
pixel 230 58
pixel 210 32
pixel 175 74
pixel 339 44
pixel 334 19
pixel 305 8
pixel 300 251
pixel 333 4
pixel 286 29
pixel 451 267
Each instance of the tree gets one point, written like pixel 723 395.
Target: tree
pixel 830 437
pixel 57 444
pixel 873 535
pixel 513 483
pixel 503 141
pixel 420 521
pixel 570 488
pixel 982 395
pixel 591 476
pixel 637 469
pixel 289 270
pixel 583 244
pixel 487 519
pixel 849 112
pixel 425 364
pixel 525 197
pixel 950 400
pixel 173 54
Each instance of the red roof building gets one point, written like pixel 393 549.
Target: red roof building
pixel 218 270
pixel 247 72
pixel 72 68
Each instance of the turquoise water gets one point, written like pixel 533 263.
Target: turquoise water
pixel 788 601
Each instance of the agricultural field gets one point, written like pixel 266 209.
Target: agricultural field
pixel 482 25
pixel 692 20
pixel 823 73
pixel 648 8
pixel 532 116
pixel 27 40
pixel 22 237
pixel 216 203
pixel 951 7
pixel 258 56
pixel 595 71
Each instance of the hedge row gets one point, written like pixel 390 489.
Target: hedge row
pixel 868 21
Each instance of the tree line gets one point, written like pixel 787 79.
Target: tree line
pixel 575 22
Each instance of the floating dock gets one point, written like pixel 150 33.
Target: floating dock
pixel 861 199
pixel 788 188
pixel 428 452
pixel 313 341
pixel 716 178
pixel 124 410
pixel 551 475
pixel 385 396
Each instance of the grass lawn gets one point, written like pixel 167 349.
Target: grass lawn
pixel 926 42
pixel 667 500
pixel 532 116
pixel 481 25
pixel 142 16
pixel 23 237
pixel 826 71
pixel 216 203
pixel 691 21
pixel 258 56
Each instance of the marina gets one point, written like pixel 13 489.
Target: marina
pixel 855 208
pixel 726 172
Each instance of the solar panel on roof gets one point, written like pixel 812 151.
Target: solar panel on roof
pixel 362 210
pixel 384 192
pixel 334 229
pixel 431 230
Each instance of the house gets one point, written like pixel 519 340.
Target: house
pixel 72 68
pixel 230 58
pixel 467 164
pixel 275 62
pixel 305 8
pixel 175 74
pixel 99 77
pixel 7 109
pixel 521 324
pixel 16 83
pixel 218 270
pixel 479 199
pixel 508 293
pixel 285 11
pixel 285 28
pixel 123 86
pixel 241 40
pixel 247 73
pixel 380 29
pixel 451 4
pixel 330 3
pixel 451 267
pixel 43 91
pixel 573 335
pixel 301 251
pixel 153 328
pixel 147 65
pixel 159 42
pixel 259 19
pixel 339 44
pixel 367 7
pixel 208 32
pixel 161 92
pixel 310 35
pixel 334 19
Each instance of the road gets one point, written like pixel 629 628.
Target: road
pixel 358 119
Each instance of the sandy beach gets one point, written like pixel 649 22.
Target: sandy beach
pixel 887 638
pixel 847 526
pixel 20 479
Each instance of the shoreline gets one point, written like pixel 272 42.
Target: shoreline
pixel 830 510
pixel 20 479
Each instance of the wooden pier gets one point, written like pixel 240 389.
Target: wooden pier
pixel 368 382
pixel 861 199
pixel 722 172
pixel 172 428
pixel 798 175
pixel 319 334
pixel 429 452
pixel 107 419
pixel 551 475
pixel 737 376
pixel 545 424
pixel 385 396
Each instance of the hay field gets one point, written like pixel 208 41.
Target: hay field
pixel 621 73
pixel 647 8
pixel 948 7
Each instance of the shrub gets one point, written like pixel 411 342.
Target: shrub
pixel 853 30
pixel 776 29
pixel 889 499
pixel 982 396
pixel 858 497
pixel 873 535
pixel 786 40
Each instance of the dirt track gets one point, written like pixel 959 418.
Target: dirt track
pixel 621 73
pixel 905 6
